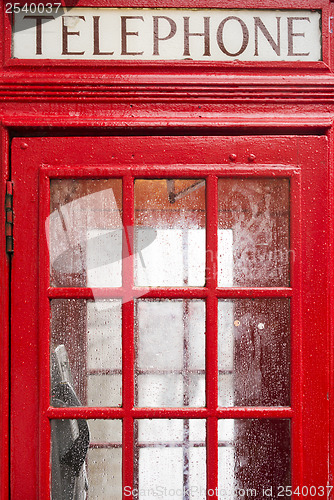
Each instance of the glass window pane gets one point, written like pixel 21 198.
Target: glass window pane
pixel 104 257
pixel 104 460
pixel 84 232
pixel 254 352
pixel 170 458
pixel 86 457
pixel 170 353
pixel 253 234
pixel 169 232
pixel 253 455
pixel 86 352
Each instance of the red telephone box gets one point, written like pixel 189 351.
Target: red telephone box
pixel 167 250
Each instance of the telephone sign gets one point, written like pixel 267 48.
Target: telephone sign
pixel 169 34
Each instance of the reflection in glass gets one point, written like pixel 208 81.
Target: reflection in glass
pixel 170 455
pixel 90 334
pixel 254 352
pixel 86 459
pixel 175 210
pixel 256 212
pixel 253 455
pixel 84 232
pixel 170 353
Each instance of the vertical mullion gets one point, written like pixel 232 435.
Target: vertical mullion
pixel 212 333
pixel 127 331
pixel 185 366
pixel 135 472
pixel 44 340
pixel 186 398
pixel 296 388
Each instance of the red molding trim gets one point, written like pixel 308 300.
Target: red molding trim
pixel 207 121
pixel 302 93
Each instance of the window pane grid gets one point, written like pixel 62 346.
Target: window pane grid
pixel 211 292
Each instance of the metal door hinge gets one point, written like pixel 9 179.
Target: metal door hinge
pixel 9 217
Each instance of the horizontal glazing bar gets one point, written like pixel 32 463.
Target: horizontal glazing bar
pixel 106 293
pixel 107 445
pixel 102 446
pixel 152 371
pixel 173 293
pixel 165 293
pixel 234 412
pixel 85 293
pixel 173 171
pixel 253 292
pixel 170 444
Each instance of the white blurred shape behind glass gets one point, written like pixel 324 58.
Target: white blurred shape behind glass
pixel 173 248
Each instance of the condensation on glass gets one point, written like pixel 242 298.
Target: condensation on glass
pixel 170 353
pixel 85 232
pixel 170 457
pixel 254 352
pixel 253 457
pixel 89 247
pixel 90 333
pixel 173 211
pixel 86 459
pixel 253 232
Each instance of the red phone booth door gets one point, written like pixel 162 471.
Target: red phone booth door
pixel 170 317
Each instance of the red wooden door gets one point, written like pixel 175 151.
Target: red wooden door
pixel 186 278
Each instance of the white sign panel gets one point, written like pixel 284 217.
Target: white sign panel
pixel 168 34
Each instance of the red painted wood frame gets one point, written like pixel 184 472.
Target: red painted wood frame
pixel 302 159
